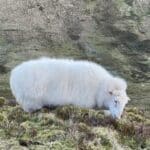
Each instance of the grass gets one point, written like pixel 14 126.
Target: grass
pixel 70 127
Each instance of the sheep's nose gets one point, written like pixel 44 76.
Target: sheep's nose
pixel 119 116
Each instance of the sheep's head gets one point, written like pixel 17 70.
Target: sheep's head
pixel 117 97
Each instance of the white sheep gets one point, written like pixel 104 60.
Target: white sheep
pixel 53 82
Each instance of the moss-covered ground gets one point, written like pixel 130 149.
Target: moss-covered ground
pixel 71 127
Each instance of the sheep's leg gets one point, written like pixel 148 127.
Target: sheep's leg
pixel 26 109
pixel 30 106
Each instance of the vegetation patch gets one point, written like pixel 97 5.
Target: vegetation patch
pixel 2 101
pixel 71 127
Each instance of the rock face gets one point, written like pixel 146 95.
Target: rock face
pixel 115 33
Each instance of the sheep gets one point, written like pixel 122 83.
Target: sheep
pixel 56 82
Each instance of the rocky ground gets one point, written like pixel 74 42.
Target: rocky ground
pixel 71 128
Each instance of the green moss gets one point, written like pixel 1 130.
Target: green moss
pixel 130 141
pixel 106 142
pixel 82 127
pixel 2 101
pixel 71 127
pixel 65 112
pixel 66 145
pixel 18 115
pixel 136 117
pixel 106 137
pixel 52 134
pixel 1 117
pixel 132 110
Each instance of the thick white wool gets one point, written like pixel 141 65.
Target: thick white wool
pixel 47 81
